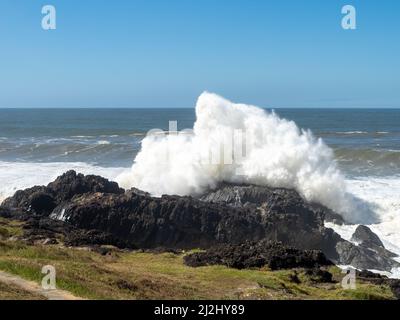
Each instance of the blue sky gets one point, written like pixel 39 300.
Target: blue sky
pixel 159 53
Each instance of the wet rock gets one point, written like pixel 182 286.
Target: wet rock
pixel 365 236
pixel 274 255
pixel 364 258
pixel 272 200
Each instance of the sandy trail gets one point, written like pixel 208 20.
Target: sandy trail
pixel 34 288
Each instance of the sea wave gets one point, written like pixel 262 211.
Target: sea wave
pixel 383 194
pixel 369 161
pixel 278 154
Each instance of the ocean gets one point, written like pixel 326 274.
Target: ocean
pixel 37 145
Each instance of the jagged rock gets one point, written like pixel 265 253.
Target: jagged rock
pixel 71 184
pixel 185 222
pixel 368 240
pixel 170 221
pixel 364 258
pixel 41 200
pixel 272 200
pixel 365 236
pixel 286 216
pixel 256 255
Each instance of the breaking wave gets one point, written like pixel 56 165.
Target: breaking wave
pixel 277 153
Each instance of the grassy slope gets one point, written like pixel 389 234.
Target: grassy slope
pixel 137 275
pixel 8 292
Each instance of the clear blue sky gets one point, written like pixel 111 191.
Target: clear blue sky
pixel 164 53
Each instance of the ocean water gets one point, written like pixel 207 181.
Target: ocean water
pixel 37 145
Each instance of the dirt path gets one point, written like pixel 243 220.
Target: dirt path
pixel 34 288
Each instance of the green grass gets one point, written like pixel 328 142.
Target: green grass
pixel 137 275
pixel 9 228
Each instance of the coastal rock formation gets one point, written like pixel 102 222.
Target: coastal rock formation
pixel 272 200
pixel 364 236
pixel 274 255
pixel 169 221
pixel 41 200
pixel 229 215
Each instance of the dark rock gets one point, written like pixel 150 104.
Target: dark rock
pixel 364 258
pixel 170 221
pixel 41 200
pixel 71 184
pixel 93 237
pixel 365 236
pixel 256 255
pixel 185 222
pixel 272 200
pixel 36 200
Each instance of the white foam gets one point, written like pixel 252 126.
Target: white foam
pixel 279 154
pixel 21 175
pixel 383 195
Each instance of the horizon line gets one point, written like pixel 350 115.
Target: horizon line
pixel 193 107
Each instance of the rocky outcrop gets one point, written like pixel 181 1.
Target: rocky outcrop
pixel 366 237
pixel 363 257
pixel 169 221
pixel 270 200
pixel 41 200
pixel 369 240
pixel 274 255
pixel 368 253
pixel 43 230
pixel 230 214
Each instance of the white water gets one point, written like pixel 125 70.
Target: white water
pixel 278 154
pixel 383 194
